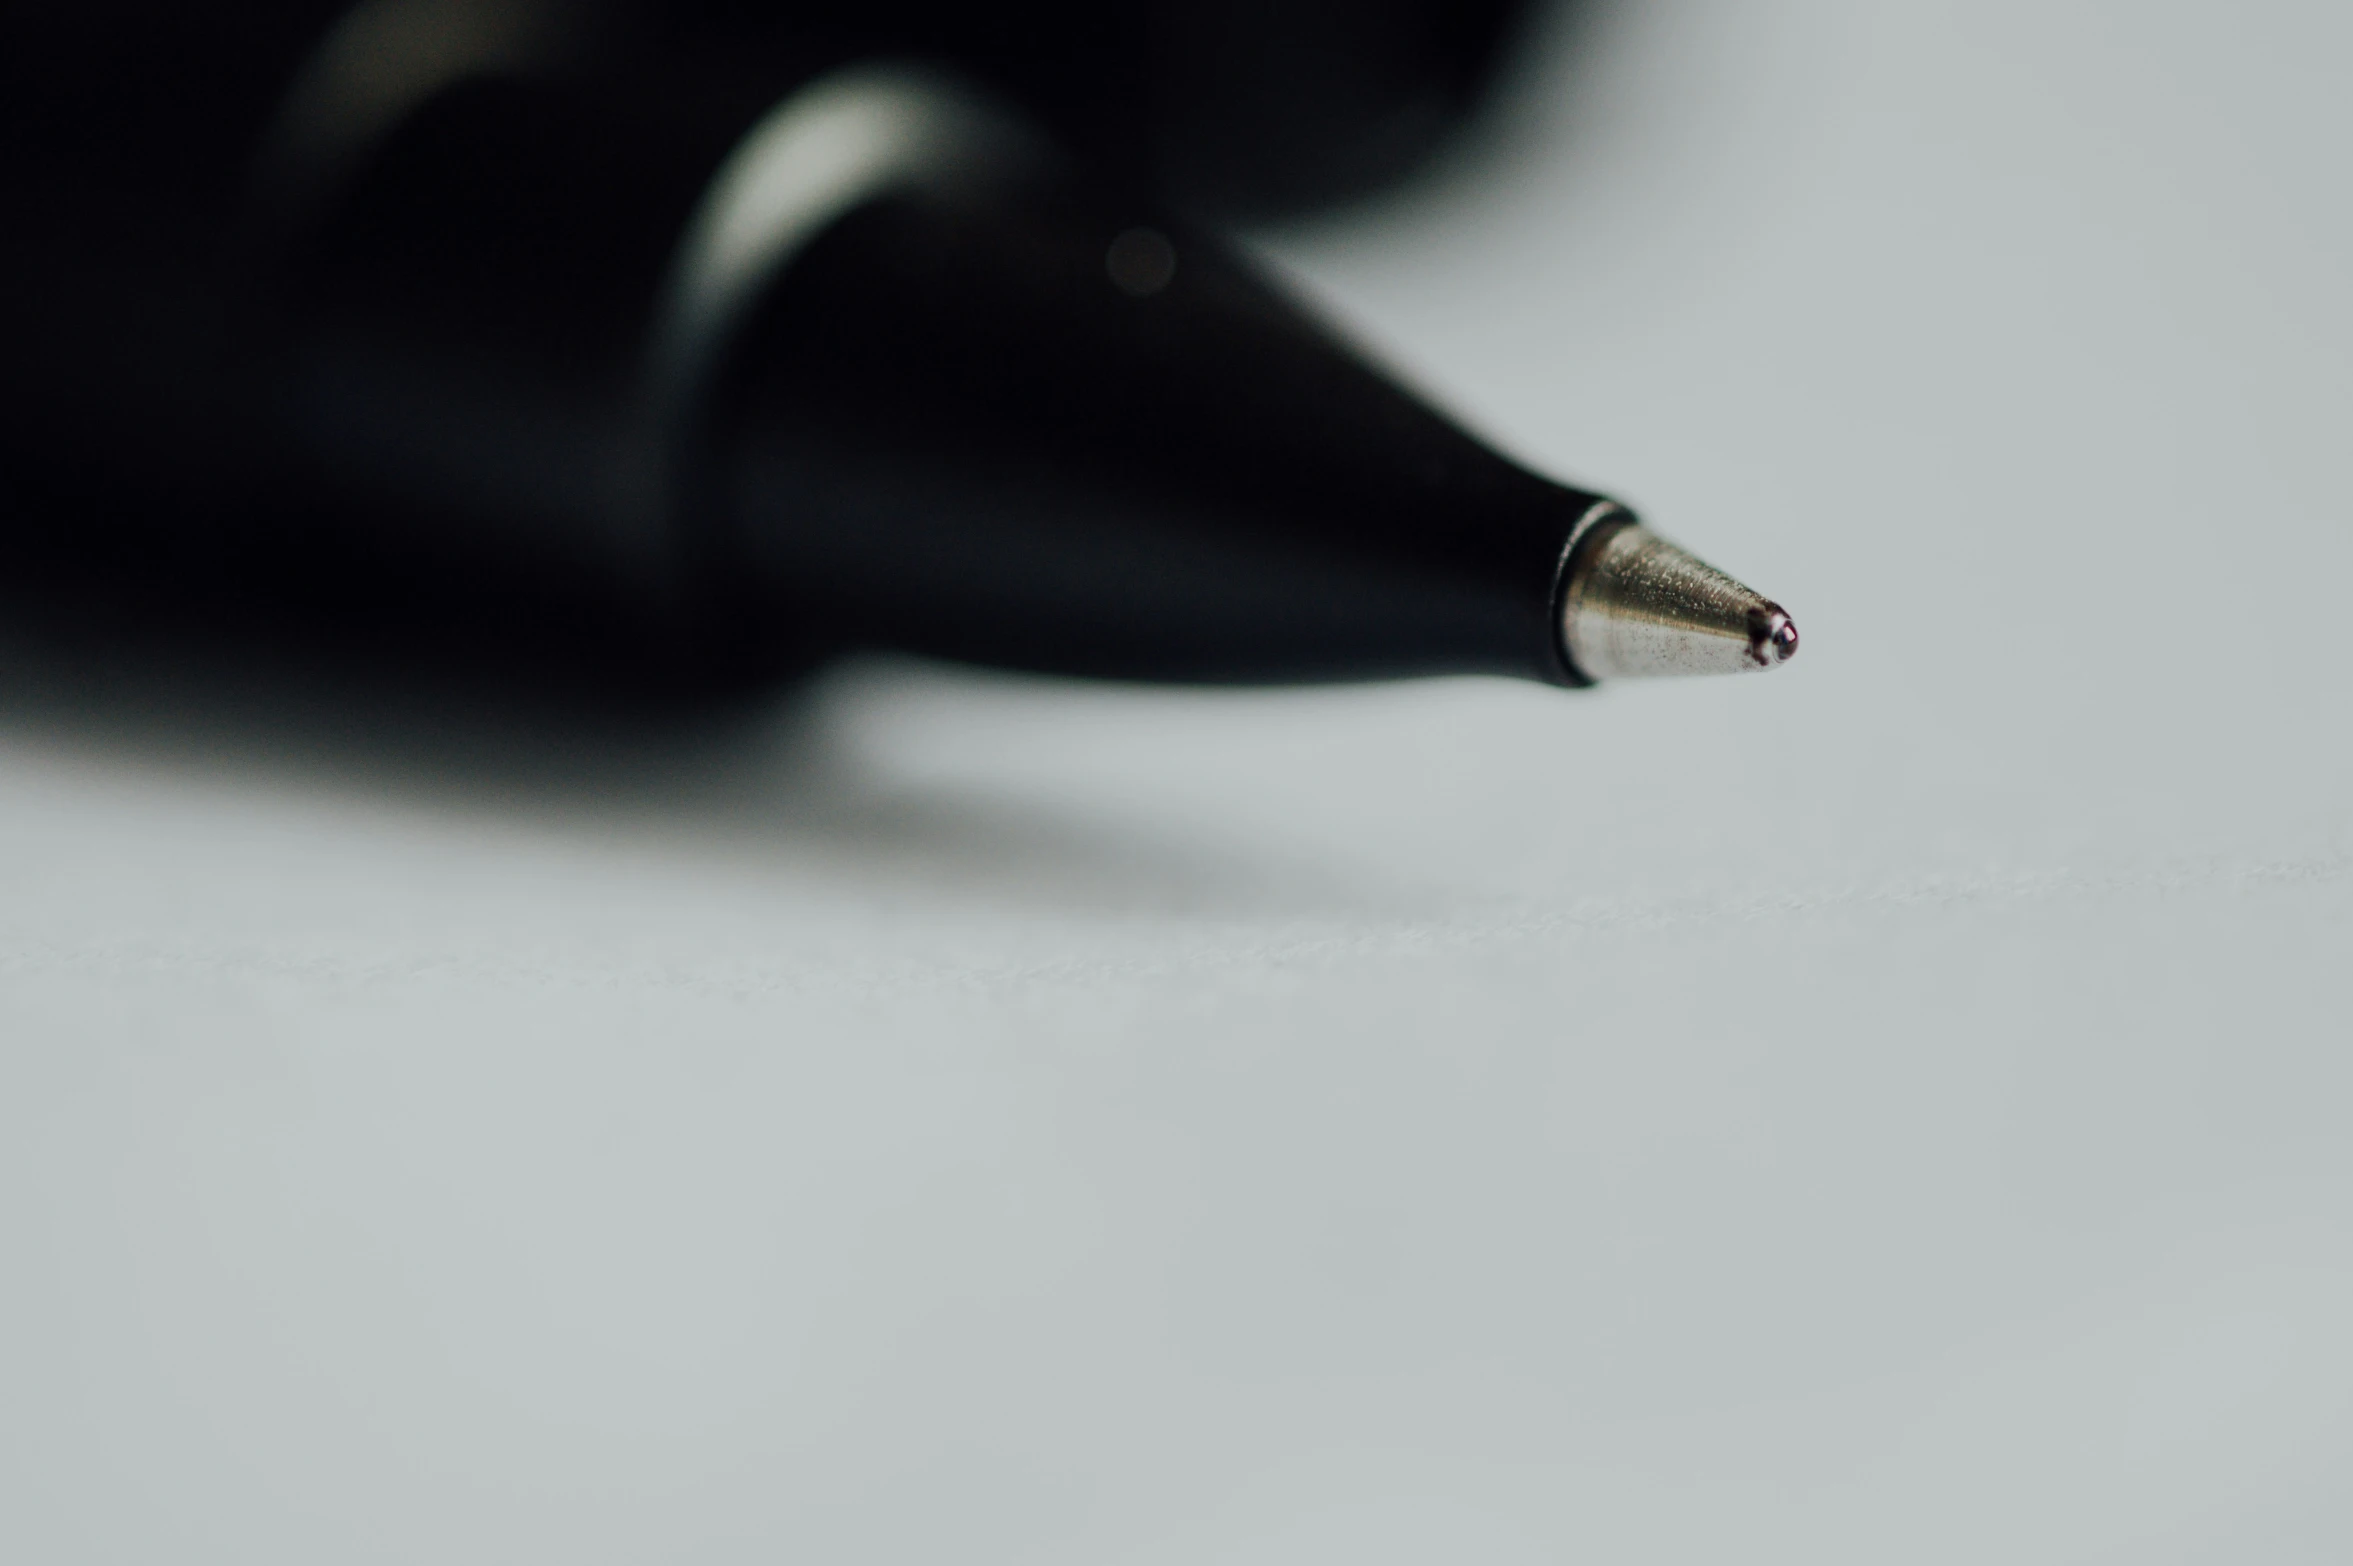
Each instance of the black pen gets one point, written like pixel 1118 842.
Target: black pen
pixel 872 365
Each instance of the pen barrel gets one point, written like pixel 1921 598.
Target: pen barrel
pixel 128 134
pixel 410 385
pixel 1138 457
pixel 978 409
pixel 464 341
pixel 974 405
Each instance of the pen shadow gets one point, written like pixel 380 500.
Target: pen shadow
pixel 772 779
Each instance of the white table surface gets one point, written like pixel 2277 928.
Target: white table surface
pixel 1891 1111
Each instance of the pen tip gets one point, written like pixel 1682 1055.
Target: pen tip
pixel 1772 636
pixel 1638 605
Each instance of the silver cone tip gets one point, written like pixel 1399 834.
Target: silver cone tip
pixel 1638 606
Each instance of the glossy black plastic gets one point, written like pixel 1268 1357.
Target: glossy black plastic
pixel 1195 482
pixel 951 427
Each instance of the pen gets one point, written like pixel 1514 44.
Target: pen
pixel 874 364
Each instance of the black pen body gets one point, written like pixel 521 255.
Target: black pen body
pixel 1189 480
pixel 714 376
pixel 382 360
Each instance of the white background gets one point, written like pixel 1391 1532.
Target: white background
pixel 1893 1110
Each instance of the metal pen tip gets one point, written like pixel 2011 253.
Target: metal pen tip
pixel 1772 636
pixel 1636 605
